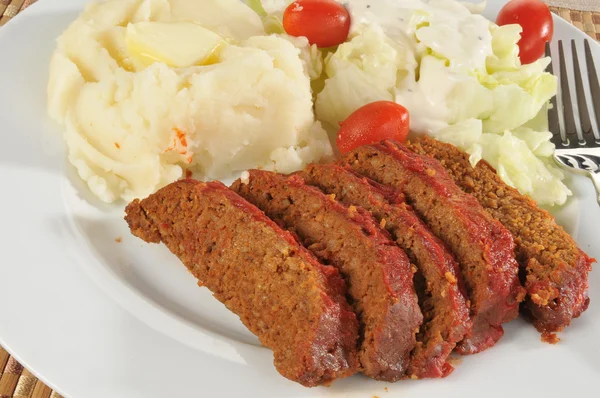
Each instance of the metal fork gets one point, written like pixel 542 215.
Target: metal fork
pixel 576 148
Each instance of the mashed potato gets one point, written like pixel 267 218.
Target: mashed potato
pixel 135 116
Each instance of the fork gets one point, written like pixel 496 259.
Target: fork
pixel 576 148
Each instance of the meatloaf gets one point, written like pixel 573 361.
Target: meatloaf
pixel 554 269
pixel 443 304
pixel 294 304
pixel 378 273
pixel 482 246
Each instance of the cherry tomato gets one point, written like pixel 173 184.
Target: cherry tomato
pixel 374 122
pixel 536 20
pixel 325 23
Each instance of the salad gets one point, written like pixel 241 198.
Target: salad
pixel 458 75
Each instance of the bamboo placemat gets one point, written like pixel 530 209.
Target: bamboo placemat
pixel 17 382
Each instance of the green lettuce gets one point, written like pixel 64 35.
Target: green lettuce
pixel 505 50
pixel 365 69
pixel 521 166
pixel 272 23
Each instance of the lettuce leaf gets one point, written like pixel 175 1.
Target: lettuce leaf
pixel 519 163
pixel 272 22
pixel 504 47
pixel 257 7
pixel 363 70
pixel 523 158
pixel 338 99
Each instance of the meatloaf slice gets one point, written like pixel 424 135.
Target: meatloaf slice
pixel 482 246
pixel 378 273
pixel 554 269
pixel 295 305
pixel 444 307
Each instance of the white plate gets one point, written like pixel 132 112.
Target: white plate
pixel 75 303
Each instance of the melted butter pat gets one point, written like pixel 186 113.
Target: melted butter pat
pixel 179 45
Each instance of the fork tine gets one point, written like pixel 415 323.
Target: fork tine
pixel 549 68
pixel 553 123
pixel 568 113
pixel 584 114
pixel 594 84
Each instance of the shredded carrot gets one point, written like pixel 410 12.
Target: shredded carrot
pixel 182 136
pixel 117 145
pixel 172 146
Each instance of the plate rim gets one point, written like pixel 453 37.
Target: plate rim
pixel 41 7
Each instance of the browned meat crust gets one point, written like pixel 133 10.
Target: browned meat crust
pixel 483 247
pixel 378 273
pixel 294 304
pixel 444 307
pixel 554 269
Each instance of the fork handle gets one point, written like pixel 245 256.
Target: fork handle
pixel 595 176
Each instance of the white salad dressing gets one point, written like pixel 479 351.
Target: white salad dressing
pixel 449 30
pixel 454 32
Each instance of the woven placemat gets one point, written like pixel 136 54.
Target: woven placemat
pixel 589 22
pixel 17 382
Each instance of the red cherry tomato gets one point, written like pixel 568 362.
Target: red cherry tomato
pixel 325 23
pixel 374 122
pixel 536 20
